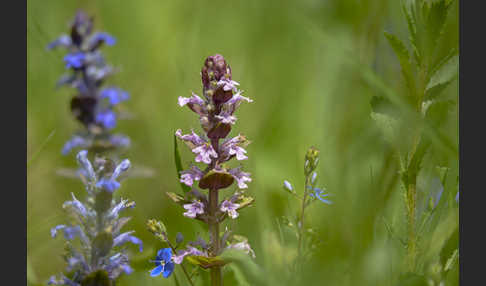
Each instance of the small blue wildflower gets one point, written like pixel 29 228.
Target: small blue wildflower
pixel 163 263
pixel 114 95
pixel 457 197
pixel 319 194
pixel 74 60
pixel 63 40
pixel 106 118
pixel 288 186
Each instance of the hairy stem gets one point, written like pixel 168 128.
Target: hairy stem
pixel 216 274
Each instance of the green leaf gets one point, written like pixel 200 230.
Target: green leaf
pixel 445 72
pixel 436 15
pixel 206 262
pixel 404 58
pixel 178 164
pixel 253 273
pixel 388 125
pixel 412 28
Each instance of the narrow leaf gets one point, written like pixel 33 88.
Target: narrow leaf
pixel 445 73
pixel 404 58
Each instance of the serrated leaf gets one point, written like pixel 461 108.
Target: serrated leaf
pixel 404 58
pixel 412 29
pixel 445 72
pixel 436 15
pixel 178 164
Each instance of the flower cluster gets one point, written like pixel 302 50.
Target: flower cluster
pixel 93 105
pixel 97 224
pixel 311 193
pixel 213 150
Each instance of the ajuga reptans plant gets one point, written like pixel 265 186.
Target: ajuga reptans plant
pixel 412 124
pixel 95 251
pixel 306 239
pixel 205 182
pixel 93 105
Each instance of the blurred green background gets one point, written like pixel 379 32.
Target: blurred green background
pixel 311 68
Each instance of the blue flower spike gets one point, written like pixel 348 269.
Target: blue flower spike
pixel 163 262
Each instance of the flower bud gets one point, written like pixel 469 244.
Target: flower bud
pixel 215 68
pixel 311 160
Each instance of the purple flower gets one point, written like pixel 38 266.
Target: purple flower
pixel 70 232
pixel 120 140
pixel 77 206
pixel 230 148
pixel 85 164
pixel 63 40
pixel 127 237
pixel 115 95
pixel 457 197
pixel 228 84
pixel 226 117
pixel 195 103
pixel 163 263
pixel 189 176
pixel 235 100
pixel 192 138
pixel 74 60
pixel 102 37
pixel 241 177
pixel 194 209
pixel 230 208
pixel 75 142
pixel 107 118
pixel 201 147
pixel 110 184
pixel 183 253
pixel 204 153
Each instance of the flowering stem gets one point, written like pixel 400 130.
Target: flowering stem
pixel 216 275
pixel 182 265
pixel 301 221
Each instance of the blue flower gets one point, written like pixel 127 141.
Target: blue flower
pixel 103 37
pixel 74 60
pixel 127 237
pixel 114 95
pixel 108 184
pixel 107 118
pixel 163 263
pixel 319 194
